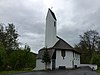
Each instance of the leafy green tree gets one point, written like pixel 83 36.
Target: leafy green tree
pixel 11 36
pixel 22 58
pixel 46 58
pixel 95 59
pixel 18 59
pixel 2 35
pixel 11 56
pixel 99 46
pixel 88 44
pixel 31 60
pixel 2 57
pixel 8 42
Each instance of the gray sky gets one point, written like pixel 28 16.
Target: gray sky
pixel 73 18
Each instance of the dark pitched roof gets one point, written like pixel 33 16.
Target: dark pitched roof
pixel 52 14
pixel 41 52
pixel 61 44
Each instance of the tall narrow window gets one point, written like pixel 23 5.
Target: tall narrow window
pixel 63 53
pixel 54 24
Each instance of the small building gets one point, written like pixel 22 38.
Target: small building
pixel 61 53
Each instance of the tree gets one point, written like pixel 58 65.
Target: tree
pixel 90 40
pixel 11 37
pixel 2 57
pixel 46 58
pixel 11 56
pixel 2 35
pixel 27 48
pixel 88 44
pixel 95 59
pixel 20 59
pixel 99 46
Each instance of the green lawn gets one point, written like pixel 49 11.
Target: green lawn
pixel 14 71
pixel 98 70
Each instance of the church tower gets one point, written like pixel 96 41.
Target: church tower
pixel 50 31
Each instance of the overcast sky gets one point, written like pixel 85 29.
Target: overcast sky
pixel 73 18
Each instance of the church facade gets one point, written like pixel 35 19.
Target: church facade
pixel 61 53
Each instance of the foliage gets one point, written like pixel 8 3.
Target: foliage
pixel 2 57
pixel 99 46
pixel 8 37
pixel 90 40
pixel 15 71
pixel 20 59
pixel 95 59
pixel 89 44
pixel 98 70
pixel 11 37
pixel 12 57
pixel 46 58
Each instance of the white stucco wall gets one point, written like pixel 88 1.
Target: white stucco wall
pixel 67 61
pixel 41 66
pixel 76 59
pixel 50 31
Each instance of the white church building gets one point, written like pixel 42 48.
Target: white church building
pixel 61 53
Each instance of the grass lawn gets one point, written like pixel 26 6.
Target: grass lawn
pixel 98 70
pixel 14 71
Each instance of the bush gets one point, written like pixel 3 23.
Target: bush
pixel 95 59
pixel 20 59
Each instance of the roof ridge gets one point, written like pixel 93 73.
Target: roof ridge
pixel 63 40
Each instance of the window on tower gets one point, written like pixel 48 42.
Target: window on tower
pixel 54 24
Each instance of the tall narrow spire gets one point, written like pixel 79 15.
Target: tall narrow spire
pixel 50 31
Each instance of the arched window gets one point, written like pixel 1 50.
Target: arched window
pixel 63 53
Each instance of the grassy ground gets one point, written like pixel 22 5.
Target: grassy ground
pixel 98 70
pixel 15 71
